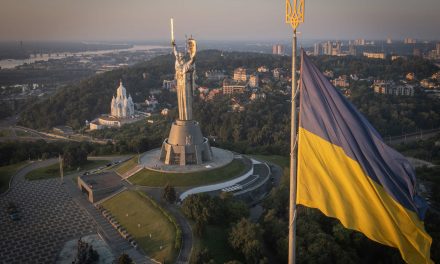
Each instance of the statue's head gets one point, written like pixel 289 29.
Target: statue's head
pixel 192 47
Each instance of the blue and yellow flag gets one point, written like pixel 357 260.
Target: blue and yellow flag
pixel 347 171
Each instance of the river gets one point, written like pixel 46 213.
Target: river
pixel 10 64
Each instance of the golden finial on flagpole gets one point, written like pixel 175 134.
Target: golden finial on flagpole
pixel 295 12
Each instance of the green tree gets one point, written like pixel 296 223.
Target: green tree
pixel 234 209
pixel 124 259
pixel 169 193
pixel 202 257
pixel 246 237
pixel 74 155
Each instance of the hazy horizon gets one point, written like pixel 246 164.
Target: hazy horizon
pixel 238 20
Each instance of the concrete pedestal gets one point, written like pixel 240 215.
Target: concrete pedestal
pixel 185 145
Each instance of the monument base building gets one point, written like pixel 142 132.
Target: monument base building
pixel 185 145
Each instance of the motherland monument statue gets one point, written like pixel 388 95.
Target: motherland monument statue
pixel 185 144
pixel 185 73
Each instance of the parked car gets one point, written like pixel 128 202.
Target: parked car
pixel 14 216
pixel 13 211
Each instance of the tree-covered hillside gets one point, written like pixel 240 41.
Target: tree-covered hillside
pixel 261 123
pixel 89 98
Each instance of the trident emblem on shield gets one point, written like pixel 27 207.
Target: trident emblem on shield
pixel 294 13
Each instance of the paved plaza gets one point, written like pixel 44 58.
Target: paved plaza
pixel 49 218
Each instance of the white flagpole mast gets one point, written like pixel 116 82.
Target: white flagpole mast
pixel 294 17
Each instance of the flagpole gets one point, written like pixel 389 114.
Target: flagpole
pixel 294 16
pixel 293 159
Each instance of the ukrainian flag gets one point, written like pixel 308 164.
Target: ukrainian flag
pixel 347 171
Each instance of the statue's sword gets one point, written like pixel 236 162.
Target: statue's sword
pixel 172 30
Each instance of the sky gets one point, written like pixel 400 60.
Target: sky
pixel 260 20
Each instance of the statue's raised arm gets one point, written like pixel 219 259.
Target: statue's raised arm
pixel 174 48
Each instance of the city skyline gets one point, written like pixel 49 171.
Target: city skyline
pixel 114 20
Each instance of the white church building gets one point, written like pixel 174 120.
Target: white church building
pixel 121 111
pixel 121 105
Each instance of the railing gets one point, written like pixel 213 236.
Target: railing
pixel 413 134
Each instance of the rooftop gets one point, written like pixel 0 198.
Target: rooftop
pixel 102 180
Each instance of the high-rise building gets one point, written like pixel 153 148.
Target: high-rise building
pixel 417 52
pixel 281 50
pixel 331 48
pixel 327 48
pixel 409 41
pixel 317 49
pixel 389 40
pixel 253 81
pixel 240 75
pixel 336 48
pixel 278 49
pixel 352 50
pixel 359 42
pixel 438 49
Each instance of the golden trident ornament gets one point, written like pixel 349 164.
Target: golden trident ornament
pixel 295 13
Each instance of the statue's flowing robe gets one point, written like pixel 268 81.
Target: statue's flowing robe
pixel 185 82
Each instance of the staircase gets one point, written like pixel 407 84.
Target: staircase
pixel 132 171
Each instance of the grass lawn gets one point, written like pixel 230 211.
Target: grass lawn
pixel 159 179
pixel 22 133
pixel 5 132
pixel 6 172
pixel 53 171
pixel 215 239
pixel 281 161
pixel 128 165
pixel 152 221
pixel 429 174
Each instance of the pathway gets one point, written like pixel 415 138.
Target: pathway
pixel 219 186
pixel 420 163
pixel 187 235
